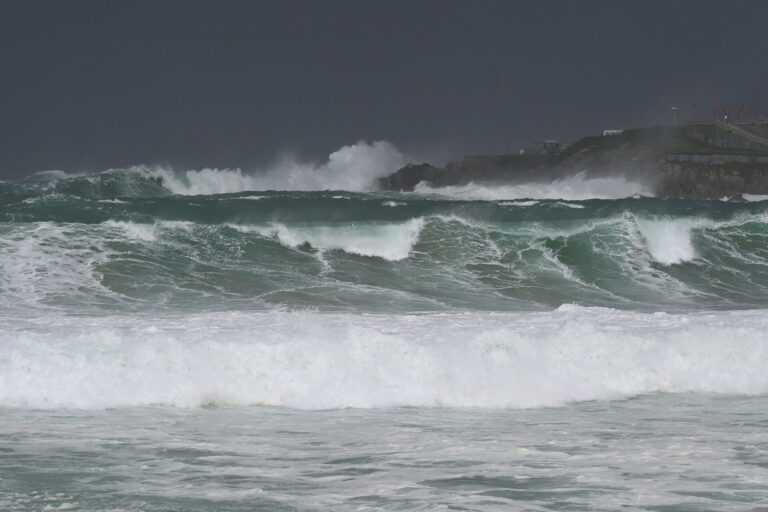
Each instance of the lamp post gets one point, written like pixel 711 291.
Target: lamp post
pixel 674 115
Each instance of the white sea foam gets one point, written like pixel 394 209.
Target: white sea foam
pixel 393 242
pixel 353 168
pixel 145 232
pixel 49 262
pixel 755 197
pixel 570 205
pixel 519 203
pixel 47 259
pixel 44 198
pixel 669 241
pixel 319 361
pixel 137 231
pixel 575 188
pixel 52 175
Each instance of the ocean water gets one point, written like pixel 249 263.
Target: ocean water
pixel 212 340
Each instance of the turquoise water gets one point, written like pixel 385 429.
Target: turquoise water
pixel 193 342
pixel 661 453
pixel 122 242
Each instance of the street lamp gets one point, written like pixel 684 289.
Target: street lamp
pixel 674 115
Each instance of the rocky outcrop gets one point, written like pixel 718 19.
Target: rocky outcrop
pixel 411 175
pixel 714 176
pixel 471 169
pixel 699 161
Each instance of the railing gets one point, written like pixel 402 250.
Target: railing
pixel 741 132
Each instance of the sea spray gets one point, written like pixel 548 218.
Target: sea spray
pixel 577 187
pixel 355 167
pixel 392 242
pixel 313 361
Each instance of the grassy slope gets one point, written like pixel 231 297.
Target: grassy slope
pixel 660 141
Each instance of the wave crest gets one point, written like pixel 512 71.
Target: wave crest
pixel 439 261
pixel 575 188
pixel 393 242
pixel 353 168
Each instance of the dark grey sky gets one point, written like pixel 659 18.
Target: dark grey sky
pixel 88 85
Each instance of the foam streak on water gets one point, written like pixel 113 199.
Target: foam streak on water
pixel 671 453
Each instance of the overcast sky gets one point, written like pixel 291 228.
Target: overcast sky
pixel 90 85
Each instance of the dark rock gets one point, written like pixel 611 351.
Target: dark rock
pixel 674 161
pixel 408 177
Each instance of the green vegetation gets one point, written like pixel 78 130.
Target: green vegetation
pixel 703 139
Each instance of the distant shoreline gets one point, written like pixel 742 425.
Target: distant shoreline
pixel 698 160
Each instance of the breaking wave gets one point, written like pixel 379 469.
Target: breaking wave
pixel 416 257
pixel 354 168
pixel 392 242
pixel 575 188
pixel 311 361
pixel 322 300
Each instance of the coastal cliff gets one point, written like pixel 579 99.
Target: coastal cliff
pixel 711 160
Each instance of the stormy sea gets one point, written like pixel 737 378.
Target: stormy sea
pixel 212 340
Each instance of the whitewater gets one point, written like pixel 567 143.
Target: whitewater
pixel 292 339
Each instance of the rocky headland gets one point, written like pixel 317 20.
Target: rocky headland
pixel 706 160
